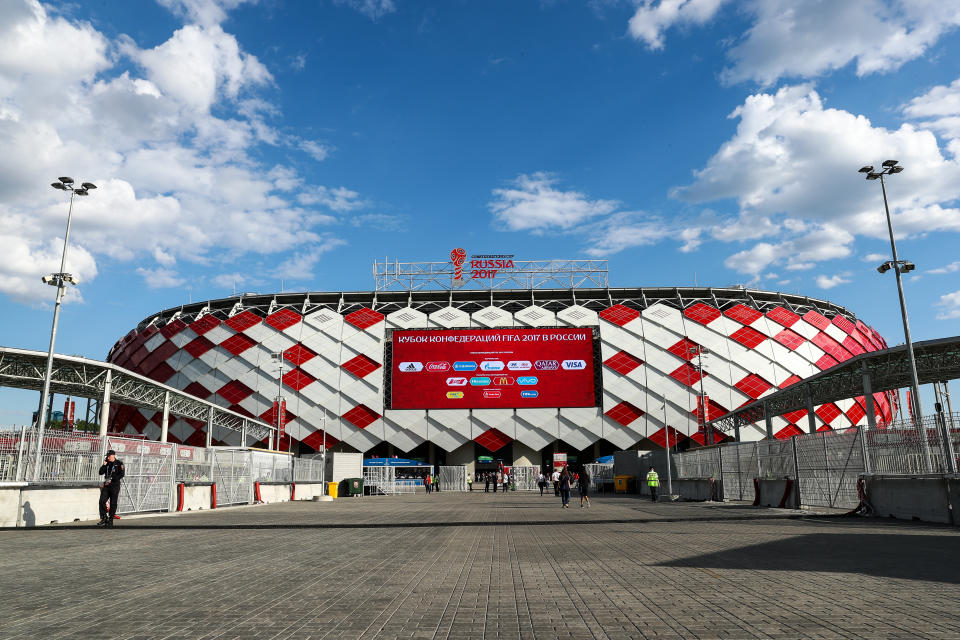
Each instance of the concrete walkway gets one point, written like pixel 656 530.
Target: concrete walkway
pixel 475 565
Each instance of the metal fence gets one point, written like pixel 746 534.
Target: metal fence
pixel 826 464
pixel 601 476
pixel 524 478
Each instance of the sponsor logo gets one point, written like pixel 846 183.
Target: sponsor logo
pixel 458 256
pixel 456 382
pixel 574 365
pixel 529 393
pixel 464 365
pixel 519 365
pixel 480 381
pixel 411 367
pixel 491 365
pixel 438 366
pixel 546 365
pixel 527 380
pixel 503 381
pixel 491 393
pixel 454 395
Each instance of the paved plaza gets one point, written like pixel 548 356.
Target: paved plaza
pixel 476 565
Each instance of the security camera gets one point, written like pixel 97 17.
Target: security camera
pixel 884 267
pixel 72 279
pixel 907 267
pixel 51 279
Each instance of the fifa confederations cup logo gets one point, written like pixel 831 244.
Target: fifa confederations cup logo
pixel 458 257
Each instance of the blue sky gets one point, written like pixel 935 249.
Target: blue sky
pixel 260 142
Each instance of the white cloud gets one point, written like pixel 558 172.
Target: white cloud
pixel 25 261
pixel 302 264
pixel 380 221
pixel 176 182
pixel 626 230
pixel 874 257
pixel 160 277
pixel 791 167
pixel 373 9
pixel 653 17
pixel 950 305
pixel 533 204
pixel 939 109
pixel 953 267
pixel 829 282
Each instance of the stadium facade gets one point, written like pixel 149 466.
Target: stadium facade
pixel 339 370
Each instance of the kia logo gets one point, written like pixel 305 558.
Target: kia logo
pixel 465 365
pixel 456 382
pixel 547 365
pixel 527 380
pixel 479 382
pixel 411 367
pixel 438 366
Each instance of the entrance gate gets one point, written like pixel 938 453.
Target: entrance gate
pixel 524 478
pixel 231 472
pixel 453 478
pixel 148 475
pixel 379 481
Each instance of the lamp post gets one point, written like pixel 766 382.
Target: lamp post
pixel 278 358
pixel 707 432
pixel 899 267
pixel 58 280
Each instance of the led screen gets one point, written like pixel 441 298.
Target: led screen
pixel 492 368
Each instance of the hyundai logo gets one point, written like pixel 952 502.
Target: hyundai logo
pixel 519 365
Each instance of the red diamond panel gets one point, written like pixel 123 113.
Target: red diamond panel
pixel 204 324
pixel 243 321
pixel 862 340
pixel 624 413
pixel 623 363
pixel 795 416
pixel 831 346
pixel 492 439
pixel 845 325
pixel 827 412
pixel 297 379
pixel 748 337
pixel 619 315
pixel 198 346
pixel 162 372
pixel 789 339
pixel 282 319
pixel 789 381
pixel 743 314
pixel 715 411
pixel 198 390
pixel 856 414
pixel 788 432
pixel 824 428
pixel 825 362
pixel 753 385
pixel 270 416
pixel 237 343
pixel 173 328
pixel 298 354
pixel 783 316
pixel 361 416
pixel 363 318
pixel 686 349
pixel 316 440
pixel 361 365
pixel 161 353
pixel 137 420
pixel 686 374
pixel 718 437
pixel 816 319
pixel 234 391
pixel 702 313
pixel 659 438
pixel 852 345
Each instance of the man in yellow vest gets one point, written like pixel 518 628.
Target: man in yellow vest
pixel 653 482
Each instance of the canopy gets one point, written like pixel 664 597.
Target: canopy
pixel 604 460
pixel 393 462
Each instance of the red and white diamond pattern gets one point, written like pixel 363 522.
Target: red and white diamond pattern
pixel 334 375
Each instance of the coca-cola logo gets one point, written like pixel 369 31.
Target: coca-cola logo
pixel 438 366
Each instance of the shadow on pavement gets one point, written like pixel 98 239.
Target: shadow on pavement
pixel 910 557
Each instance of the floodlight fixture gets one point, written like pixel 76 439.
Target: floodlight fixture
pixel 889 163
pixel 88 185
pixel 50 279
pixel 873 175
pixel 867 169
pixel 907 267
pixel 886 266
pixel 65 179
pixel 57 185
pixel 896 169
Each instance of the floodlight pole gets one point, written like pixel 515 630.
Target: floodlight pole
pixel 59 280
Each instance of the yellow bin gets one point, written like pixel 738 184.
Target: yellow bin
pixel 332 488
pixel 620 483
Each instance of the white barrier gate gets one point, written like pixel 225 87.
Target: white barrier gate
pixel 231 473
pixel 148 475
pixel 453 478
pixel 524 478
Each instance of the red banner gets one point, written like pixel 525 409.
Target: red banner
pixel 492 368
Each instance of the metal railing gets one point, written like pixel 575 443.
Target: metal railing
pixel 826 464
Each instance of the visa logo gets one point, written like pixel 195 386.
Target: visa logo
pixel 519 365
pixel 479 382
pixel 454 395
pixel 575 365
pixel 527 380
pixel 491 365
pixel 456 382
pixel 464 365
pixel 529 393
pixel 411 367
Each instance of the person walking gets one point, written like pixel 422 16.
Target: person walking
pixel 564 486
pixel 583 483
pixel 497 480
pixel 653 482
pixel 556 482
pixel 428 483
pixel 506 482
pixel 436 482
pixel 469 482
pixel 542 482
pixel 112 471
pixel 486 482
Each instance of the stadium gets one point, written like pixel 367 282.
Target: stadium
pixel 427 368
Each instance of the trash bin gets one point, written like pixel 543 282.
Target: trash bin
pixel 332 489
pixel 621 484
pixel 355 486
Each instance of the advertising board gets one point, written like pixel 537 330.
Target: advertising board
pixel 492 368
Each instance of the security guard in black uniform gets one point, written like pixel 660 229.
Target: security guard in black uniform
pixel 112 472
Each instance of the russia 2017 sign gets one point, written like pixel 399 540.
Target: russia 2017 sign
pixel 492 368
